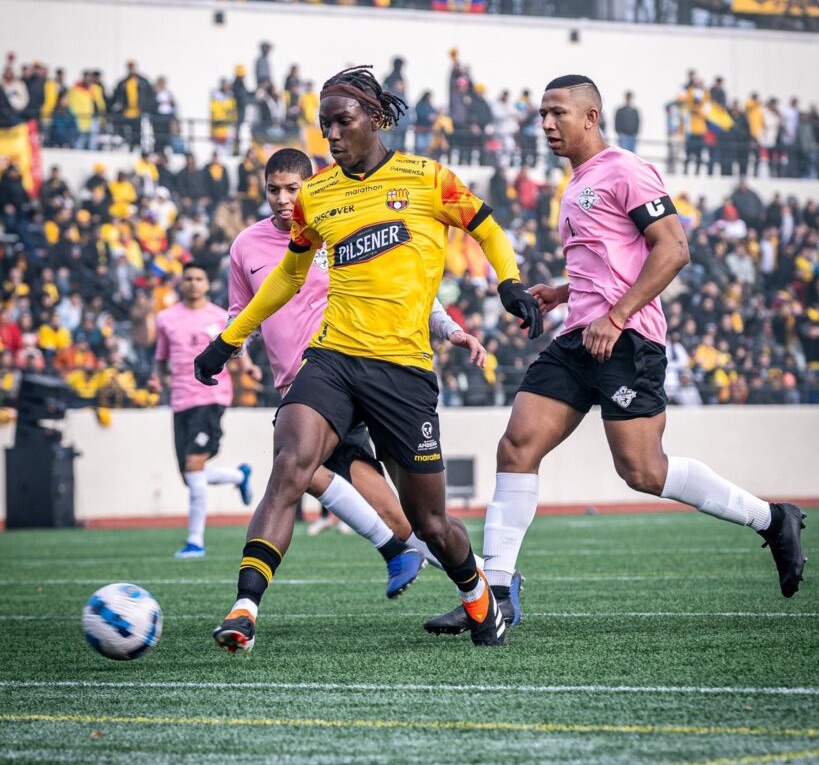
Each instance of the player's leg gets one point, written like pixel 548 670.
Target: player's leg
pixel 197 433
pixel 350 492
pixel 536 426
pixel 302 440
pixel 373 486
pixel 399 406
pixel 551 402
pixel 633 405
pixel 639 459
pixel 217 474
pixel 423 497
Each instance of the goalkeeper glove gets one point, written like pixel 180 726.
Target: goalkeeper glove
pixel 519 302
pixel 212 360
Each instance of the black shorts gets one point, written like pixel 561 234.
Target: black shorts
pixel 354 446
pixel 197 431
pixel 396 403
pixel 628 385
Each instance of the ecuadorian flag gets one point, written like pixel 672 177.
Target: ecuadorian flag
pixel 718 119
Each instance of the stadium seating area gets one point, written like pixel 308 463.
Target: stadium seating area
pixel 85 268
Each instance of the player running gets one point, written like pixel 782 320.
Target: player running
pixel 181 332
pixel 351 482
pixel 623 244
pixel 384 217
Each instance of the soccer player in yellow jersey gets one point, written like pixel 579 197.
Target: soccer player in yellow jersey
pixel 384 217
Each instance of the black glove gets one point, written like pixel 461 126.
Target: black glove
pixel 517 301
pixel 212 360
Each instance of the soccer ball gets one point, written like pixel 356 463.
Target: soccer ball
pixel 122 621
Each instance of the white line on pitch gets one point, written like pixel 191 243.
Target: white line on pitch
pixel 529 614
pixel 404 687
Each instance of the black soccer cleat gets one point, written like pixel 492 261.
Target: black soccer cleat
pixel 237 632
pixel 456 621
pixel 785 543
pixel 492 629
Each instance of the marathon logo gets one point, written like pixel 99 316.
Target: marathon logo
pixel 370 242
pixel 426 457
pixel 363 189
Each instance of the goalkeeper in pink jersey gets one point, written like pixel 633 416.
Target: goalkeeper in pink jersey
pixel 623 245
pixel 351 482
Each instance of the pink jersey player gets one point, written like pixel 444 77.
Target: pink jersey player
pixel 254 254
pixel 181 334
pixel 605 250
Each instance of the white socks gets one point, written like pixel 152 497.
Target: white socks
pixel 216 474
pixel 696 484
pixel 508 517
pixel 246 604
pixel 197 506
pixel 344 500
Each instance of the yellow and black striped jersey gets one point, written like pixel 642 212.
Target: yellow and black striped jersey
pixel 386 236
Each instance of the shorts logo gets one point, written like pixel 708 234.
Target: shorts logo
pixel 429 443
pixel 587 198
pixel 201 439
pixel 398 199
pixel 624 396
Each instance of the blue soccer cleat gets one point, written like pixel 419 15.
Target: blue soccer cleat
pixel 244 487
pixel 403 570
pixel 190 550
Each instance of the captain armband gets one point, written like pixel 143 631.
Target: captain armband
pixel 644 215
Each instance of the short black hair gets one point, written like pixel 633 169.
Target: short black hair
pixel 193 264
pixel 289 161
pixel 575 81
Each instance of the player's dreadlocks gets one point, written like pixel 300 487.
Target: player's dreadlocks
pixel 358 83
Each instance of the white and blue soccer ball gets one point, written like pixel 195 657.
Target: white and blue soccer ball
pixel 122 621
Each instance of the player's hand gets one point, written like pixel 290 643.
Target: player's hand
pixel 547 297
pixel 477 353
pixel 154 384
pixel 519 302
pixel 599 338
pixel 212 360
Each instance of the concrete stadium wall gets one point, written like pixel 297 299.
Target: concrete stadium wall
pixel 129 469
pixel 180 39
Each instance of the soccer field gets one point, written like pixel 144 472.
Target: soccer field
pixel 648 638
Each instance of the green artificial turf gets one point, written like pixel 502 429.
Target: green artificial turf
pixel 648 638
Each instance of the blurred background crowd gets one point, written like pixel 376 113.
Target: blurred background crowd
pixel 85 266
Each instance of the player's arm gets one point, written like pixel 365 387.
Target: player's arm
pixel 161 371
pixel 501 255
pixel 276 290
pixel 458 206
pixel 668 255
pixel 443 326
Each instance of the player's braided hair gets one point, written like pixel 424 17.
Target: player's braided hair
pixel 359 83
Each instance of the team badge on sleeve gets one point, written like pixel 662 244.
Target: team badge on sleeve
pixel 587 198
pixel 398 199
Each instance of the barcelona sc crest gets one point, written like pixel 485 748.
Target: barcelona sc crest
pixel 398 199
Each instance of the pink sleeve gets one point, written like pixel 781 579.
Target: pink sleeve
pixel 161 352
pixel 239 290
pixel 640 183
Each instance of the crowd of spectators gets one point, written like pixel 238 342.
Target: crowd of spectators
pixel 708 128
pixel 711 129
pixel 84 270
